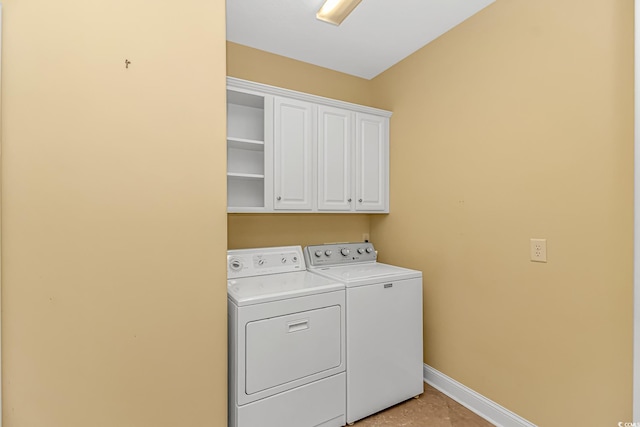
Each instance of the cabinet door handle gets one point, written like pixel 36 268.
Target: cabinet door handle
pixel 349 200
pixel 278 198
pixel 360 200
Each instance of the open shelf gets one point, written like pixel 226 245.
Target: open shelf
pixel 240 161
pixel 245 151
pixel 245 116
pixel 245 144
pixel 245 175
pixel 245 191
pixel 245 99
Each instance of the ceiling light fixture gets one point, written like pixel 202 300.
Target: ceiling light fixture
pixel 335 11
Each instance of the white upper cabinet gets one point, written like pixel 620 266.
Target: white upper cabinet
pixel 335 157
pixel 293 145
pixel 372 154
pixel 289 151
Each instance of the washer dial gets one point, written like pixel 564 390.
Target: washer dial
pixel 235 264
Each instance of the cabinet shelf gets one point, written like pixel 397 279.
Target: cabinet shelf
pixel 244 175
pixel 245 209
pixel 245 144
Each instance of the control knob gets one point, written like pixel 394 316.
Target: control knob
pixel 235 264
pixel 344 252
pixel 360 251
pixel 369 249
pixel 318 254
pixel 327 253
pixel 283 260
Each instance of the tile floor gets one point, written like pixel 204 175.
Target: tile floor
pixel 431 409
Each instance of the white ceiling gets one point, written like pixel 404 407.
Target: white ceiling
pixel 377 34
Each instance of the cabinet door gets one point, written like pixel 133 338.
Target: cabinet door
pixel 293 142
pixel 372 153
pixel 335 136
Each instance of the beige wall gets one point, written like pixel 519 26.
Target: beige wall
pixel 114 218
pixel 259 230
pixel 519 124
pixel 263 67
pixel 244 230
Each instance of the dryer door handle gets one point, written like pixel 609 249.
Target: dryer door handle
pixel 298 325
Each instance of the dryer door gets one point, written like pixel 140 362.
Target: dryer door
pixel 286 348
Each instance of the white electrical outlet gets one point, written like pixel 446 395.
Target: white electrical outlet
pixel 539 250
pixel 365 237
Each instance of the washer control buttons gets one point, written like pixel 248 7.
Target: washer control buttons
pixel 369 249
pixel 344 252
pixel 360 251
pixel 318 254
pixel 328 253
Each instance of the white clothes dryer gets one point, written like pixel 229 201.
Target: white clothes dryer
pixel 384 325
pixel 286 341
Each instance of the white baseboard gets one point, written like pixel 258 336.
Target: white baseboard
pixel 474 401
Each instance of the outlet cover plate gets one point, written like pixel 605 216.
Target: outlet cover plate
pixel 538 250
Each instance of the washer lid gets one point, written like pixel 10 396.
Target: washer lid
pixel 274 287
pixel 367 273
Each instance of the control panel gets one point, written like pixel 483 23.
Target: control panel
pixel 262 261
pixel 339 253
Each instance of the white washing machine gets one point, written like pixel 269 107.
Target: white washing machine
pixel 384 325
pixel 286 341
